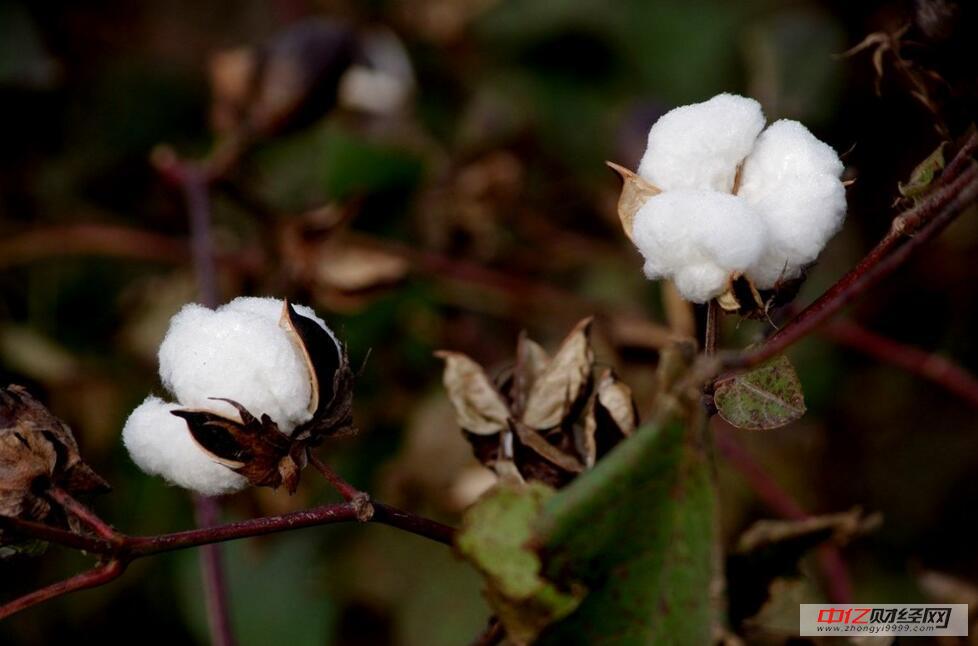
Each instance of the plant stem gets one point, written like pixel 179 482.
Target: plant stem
pixel 345 489
pixel 84 514
pixel 712 330
pixel 97 576
pixel 837 581
pixel 933 367
pixel 52 534
pixel 922 222
pixel 130 548
pixel 207 512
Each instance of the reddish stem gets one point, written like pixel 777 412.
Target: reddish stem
pixel 924 222
pixel 933 367
pixel 85 515
pixel 92 578
pixel 837 581
pixel 345 489
pixel 57 535
pixel 216 598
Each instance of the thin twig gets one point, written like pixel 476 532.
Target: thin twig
pixel 345 489
pixel 130 548
pixel 922 223
pixel 97 576
pixel 207 512
pixel 712 329
pixel 85 515
pixel 933 367
pixel 52 534
pixel 414 524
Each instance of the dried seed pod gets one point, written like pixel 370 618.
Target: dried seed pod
pixel 545 420
pixel 37 450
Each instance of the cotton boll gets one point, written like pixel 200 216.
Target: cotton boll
pixel 699 238
pixel 238 352
pixel 160 444
pixel 271 309
pixel 792 179
pixel 701 145
pixel 788 149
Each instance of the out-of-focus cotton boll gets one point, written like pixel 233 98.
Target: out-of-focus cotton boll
pixel 792 179
pixel 160 444
pixel 701 145
pixel 698 238
pixel 237 352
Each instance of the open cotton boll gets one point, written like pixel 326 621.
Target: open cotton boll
pixel 160 444
pixel 792 179
pixel 698 238
pixel 238 352
pixel 701 145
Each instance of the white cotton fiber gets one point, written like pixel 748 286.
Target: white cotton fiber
pixel 701 145
pixel 237 352
pixel 792 179
pixel 698 238
pixel 160 444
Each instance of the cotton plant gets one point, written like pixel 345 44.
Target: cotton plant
pixel 255 382
pixel 718 197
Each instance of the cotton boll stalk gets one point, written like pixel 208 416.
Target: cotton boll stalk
pixel 699 238
pixel 160 444
pixel 239 352
pixel 792 179
pixel 701 145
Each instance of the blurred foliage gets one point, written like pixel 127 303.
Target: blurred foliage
pixel 490 183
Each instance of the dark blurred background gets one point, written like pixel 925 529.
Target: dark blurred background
pixel 450 192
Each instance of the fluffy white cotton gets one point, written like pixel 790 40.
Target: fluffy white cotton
pixel 701 145
pixel 698 238
pixel 792 179
pixel 238 352
pixel 160 444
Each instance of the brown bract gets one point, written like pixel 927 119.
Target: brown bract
pixel 256 448
pixel 548 419
pixel 37 451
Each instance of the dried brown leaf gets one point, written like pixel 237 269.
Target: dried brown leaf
pixel 539 445
pixel 350 267
pixel 479 407
pixel 616 398
pixel 839 528
pixel 561 382
pixel 634 193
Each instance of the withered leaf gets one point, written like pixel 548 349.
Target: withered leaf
pixel 331 403
pixel 534 441
pixel 763 398
pixel 561 382
pixel 840 528
pixel 479 407
pixel 616 397
pixel 611 416
pixel 531 359
pixel 254 448
pixel 351 267
pixel 770 550
pixel 634 192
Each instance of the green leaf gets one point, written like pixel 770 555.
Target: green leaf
pixel 495 537
pixel 638 532
pixel 761 399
